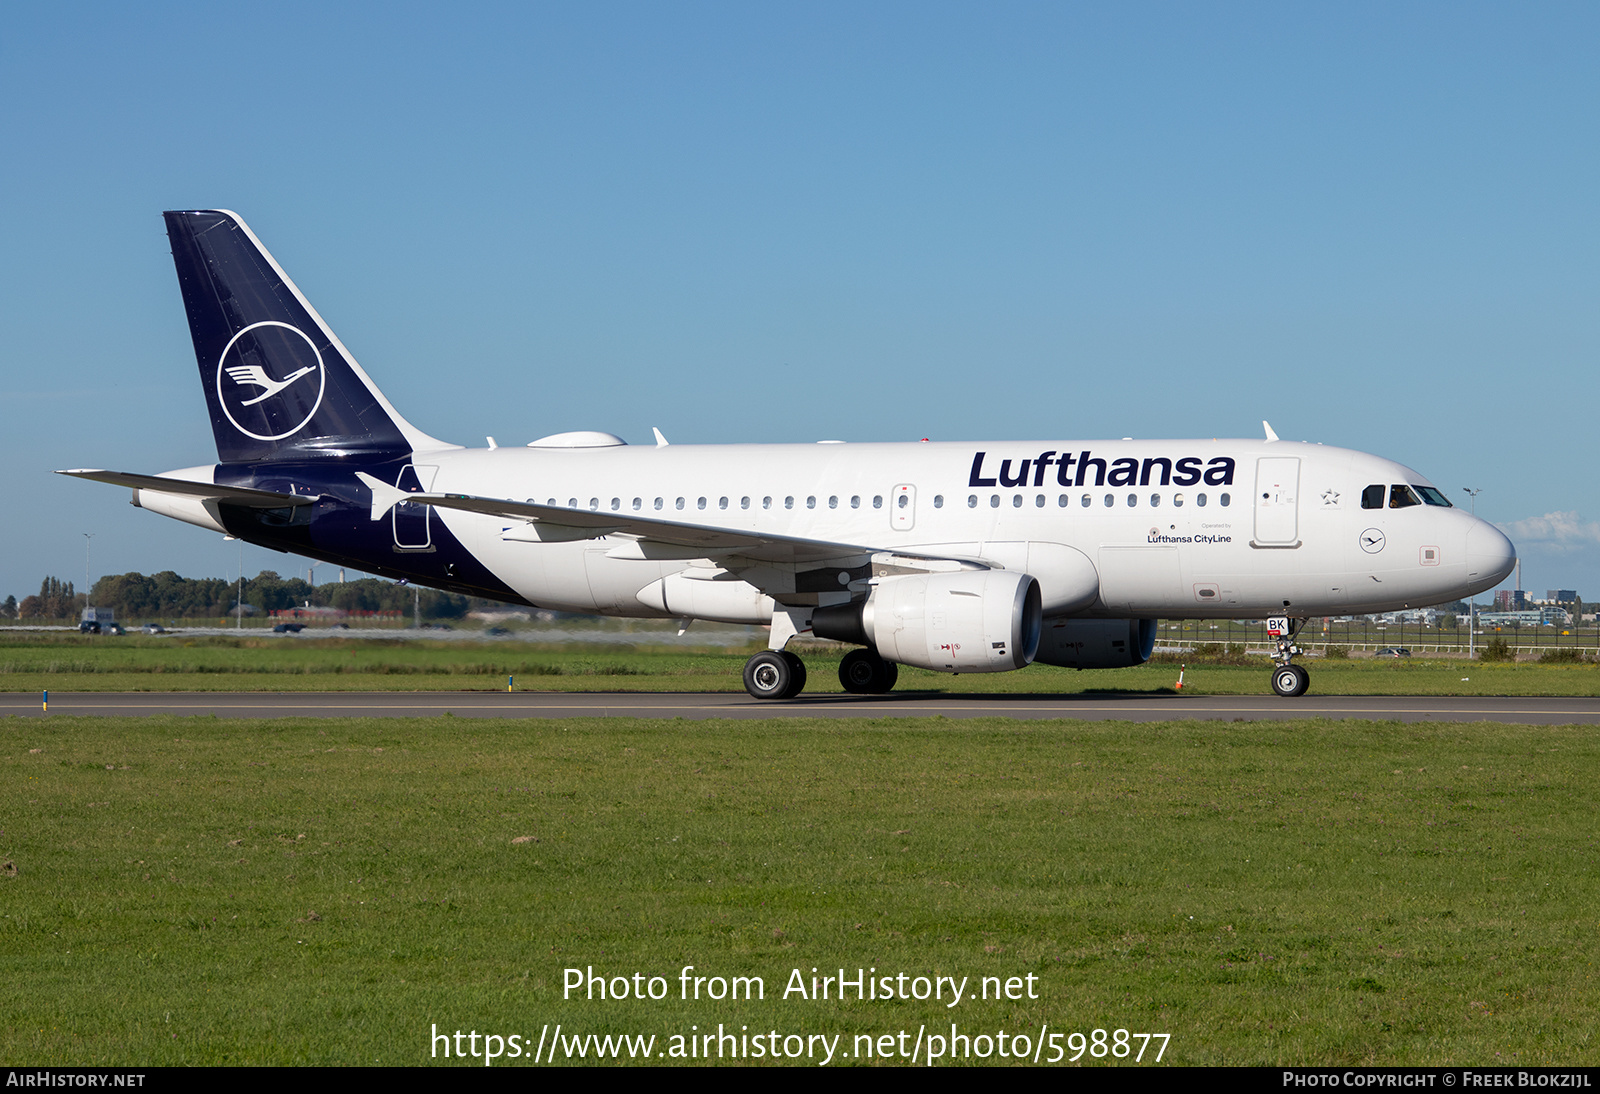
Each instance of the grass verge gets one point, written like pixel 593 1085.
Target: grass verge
pixel 201 891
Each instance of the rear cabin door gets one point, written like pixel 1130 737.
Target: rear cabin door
pixel 412 522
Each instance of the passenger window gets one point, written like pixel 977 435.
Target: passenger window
pixel 1372 496
pixel 744 503
pixel 1062 501
pixel 638 504
pixel 701 504
pixel 1016 501
pixel 788 502
pixel 594 505
pixel 1155 500
pixel 972 501
pixel 1200 500
pixel 1133 499
pixel 1177 501
pixel 616 503
pixel 877 501
pixel 811 501
pixel 994 501
pixel 833 501
pixel 722 503
pixel 855 501
pixel 658 503
pixel 1401 497
pixel 766 502
pixel 1223 500
pixel 938 501
pixel 902 501
pixel 1039 502
pixel 572 503
pixel 1111 499
pixel 1086 501
pixel 552 501
pixel 680 503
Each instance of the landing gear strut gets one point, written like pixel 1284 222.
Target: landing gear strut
pixel 774 674
pixel 1288 679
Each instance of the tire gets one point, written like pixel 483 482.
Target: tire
pixel 797 671
pixel 863 672
pixel 1290 681
pixel 769 675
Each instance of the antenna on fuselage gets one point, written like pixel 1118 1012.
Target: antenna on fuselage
pixel 1271 436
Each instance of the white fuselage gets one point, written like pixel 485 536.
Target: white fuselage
pixel 1282 530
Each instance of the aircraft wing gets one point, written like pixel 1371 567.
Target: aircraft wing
pixel 699 540
pixel 233 495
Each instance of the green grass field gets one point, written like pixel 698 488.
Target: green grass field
pixel 72 663
pixel 186 891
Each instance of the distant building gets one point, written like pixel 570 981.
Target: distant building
pixel 1561 596
pixel 1511 600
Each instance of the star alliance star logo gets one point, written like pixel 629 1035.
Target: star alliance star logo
pixel 1330 499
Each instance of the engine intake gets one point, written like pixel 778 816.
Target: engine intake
pixel 968 621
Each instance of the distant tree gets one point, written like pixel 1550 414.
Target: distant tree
pixel 9 608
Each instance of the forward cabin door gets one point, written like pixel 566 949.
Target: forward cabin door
pixel 1277 506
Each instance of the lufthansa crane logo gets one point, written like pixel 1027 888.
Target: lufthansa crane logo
pixel 270 380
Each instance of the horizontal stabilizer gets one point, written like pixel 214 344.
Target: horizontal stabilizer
pixel 233 495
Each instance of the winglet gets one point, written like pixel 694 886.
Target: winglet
pixel 1271 436
pixel 661 441
pixel 384 496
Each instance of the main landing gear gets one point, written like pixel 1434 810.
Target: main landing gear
pixel 774 674
pixel 1288 679
pixel 779 674
pixel 865 673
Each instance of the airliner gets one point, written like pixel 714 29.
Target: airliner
pixel 951 556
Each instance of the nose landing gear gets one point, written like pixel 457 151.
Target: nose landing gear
pixel 1288 679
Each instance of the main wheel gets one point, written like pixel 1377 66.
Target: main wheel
pixel 774 674
pixel 1290 681
pixel 797 670
pixel 865 673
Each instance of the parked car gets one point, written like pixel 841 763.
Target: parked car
pixel 1392 651
pixel 288 628
pixel 88 627
pixel 153 628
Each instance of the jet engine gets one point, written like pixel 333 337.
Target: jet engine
pixel 966 621
pixel 1097 643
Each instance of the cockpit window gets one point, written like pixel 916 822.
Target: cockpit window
pixel 1401 497
pixel 1372 497
pixel 1432 496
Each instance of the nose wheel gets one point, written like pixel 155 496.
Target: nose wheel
pixel 1290 681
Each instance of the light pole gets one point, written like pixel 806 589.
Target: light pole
pixel 1472 601
pixel 88 537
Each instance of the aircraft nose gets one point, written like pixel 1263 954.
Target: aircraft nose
pixel 1490 555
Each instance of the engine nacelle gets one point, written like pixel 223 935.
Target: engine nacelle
pixel 966 621
pixel 1097 643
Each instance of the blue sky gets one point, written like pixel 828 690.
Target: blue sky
pixel 1372 224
